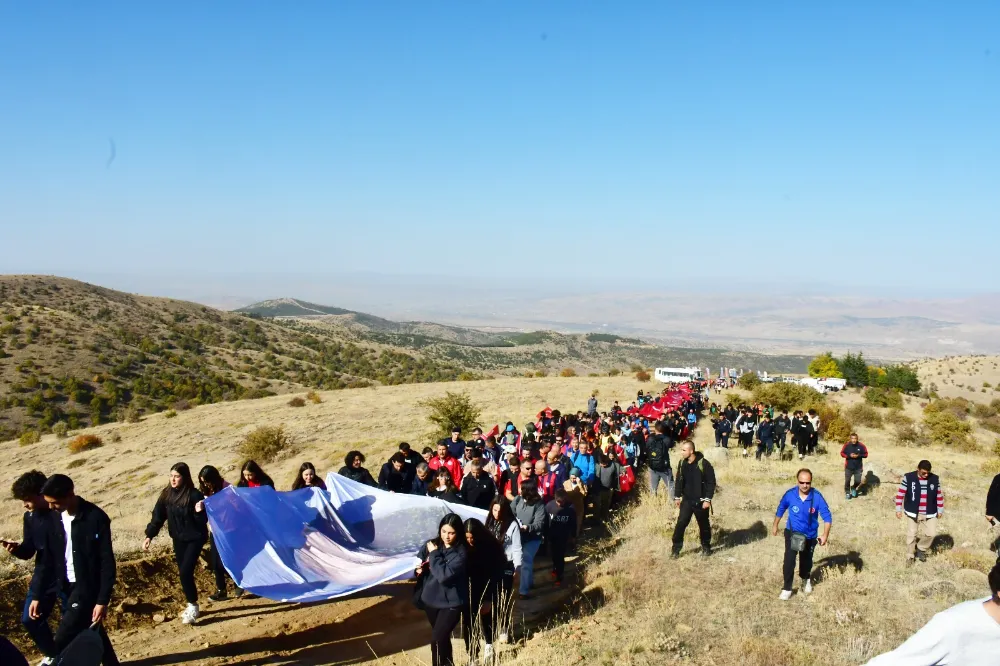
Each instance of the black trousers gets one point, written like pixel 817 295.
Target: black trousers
pixel 813 441
pixel 558 553
pixel 77 617
pixel 802 443
pixel 443 622
pixel 746 439
pixel 221 575
pixel 805 560
pixel 187 553
pixel 692 508
pixel 852 479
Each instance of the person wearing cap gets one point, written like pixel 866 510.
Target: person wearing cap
pixel 920 497
pixel 455 444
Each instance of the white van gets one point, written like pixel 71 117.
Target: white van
pixel 678 375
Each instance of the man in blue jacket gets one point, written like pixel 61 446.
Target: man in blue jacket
pixel 804 505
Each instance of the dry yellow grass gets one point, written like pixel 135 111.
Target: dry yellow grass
pixel 124 477
pixel 725 610
pixel 972 377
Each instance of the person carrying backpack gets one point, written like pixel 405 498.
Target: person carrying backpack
pixel 658 460
pixel 694 487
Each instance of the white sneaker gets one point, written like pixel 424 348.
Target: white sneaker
pixel 503 638
pixel 488 653
pixel 47 661
pixel 785 595
pixel 190 614
pixel 801 457
pixel 807 586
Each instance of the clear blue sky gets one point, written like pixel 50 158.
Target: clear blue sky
pixel 582 139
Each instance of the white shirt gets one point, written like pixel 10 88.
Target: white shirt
pixel 963 635
pixel 67 521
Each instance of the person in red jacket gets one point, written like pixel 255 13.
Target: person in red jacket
pixel 854 454
pixel 447 461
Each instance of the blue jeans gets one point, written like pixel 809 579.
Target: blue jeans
pixel 528 551
pixel 39 629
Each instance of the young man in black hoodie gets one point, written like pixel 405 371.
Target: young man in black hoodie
pixel 84 564
pixel 658 459
pixel 34 543
pixel 694 486
pixel 993 509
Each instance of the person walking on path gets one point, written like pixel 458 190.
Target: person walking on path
pixel 723 429
pixel 745 426
pixel 34 543
pixel 921 498
pixel 781 427
pixel 658 459
pixel 802 432
pixel 854 454
pixel 529 511
pixel 694 487
pixel 967 634
pixel 445 592
pixel 85 564
pixel 765 437
pixel 209 483
pixel 805 505
pixel 607 481
pixel 179 506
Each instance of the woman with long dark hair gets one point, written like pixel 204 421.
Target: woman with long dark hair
pixel 486 563
pixel 443 487
pixel 252 476
pixel 445 593
pixel 187 527
pixel 501 524
pixel 354 469
pixel 308 478
pixel 209 483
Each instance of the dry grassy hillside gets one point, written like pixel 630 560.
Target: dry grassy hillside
pixel 649 609
pixel 972 377
pixel 124 476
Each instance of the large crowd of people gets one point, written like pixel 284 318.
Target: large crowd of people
pixel 539 487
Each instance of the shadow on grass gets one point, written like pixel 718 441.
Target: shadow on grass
pixel 942 542
pixel 870 482
pixel 840 562
pixel 732 538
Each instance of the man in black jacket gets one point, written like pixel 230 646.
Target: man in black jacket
pixel 993 509
pixel 781 427
pixel 802 434
pixel 478 489
pixel 37 516
pixel 80 539
pixel 658 459
pixel 694 486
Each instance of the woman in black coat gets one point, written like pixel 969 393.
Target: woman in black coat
pixel 445 592
pixel 188 527
pixel 353 469
pixel 486 564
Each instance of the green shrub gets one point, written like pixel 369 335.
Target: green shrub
pixel 958 407
pixel 991 467
pixel 996 448
pixel 944 428
pixel 60 429
pixel 838 429
pixel 614 372
pixel 883 397
pixel 182 405
pixel 784 396
pixel 824 365
pixel 315 398
pixel 73 464
pixel 169 414
pixel 749 381
pixel 130 414
pixel 265 443
pixel 297 401
pixel 642 376
pixel 568 372
pixel 635 367
pixel 541 373
pixel 29 437
pixel 84 443
pixel 449 411
pixel 981 411
pixel 864 415
pixel 256 394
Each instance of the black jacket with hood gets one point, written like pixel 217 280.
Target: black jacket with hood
pixel 695 481
pixel 183 522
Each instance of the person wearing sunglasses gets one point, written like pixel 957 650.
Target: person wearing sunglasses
pixel 805 505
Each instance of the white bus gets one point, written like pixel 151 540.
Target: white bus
pixel 678 375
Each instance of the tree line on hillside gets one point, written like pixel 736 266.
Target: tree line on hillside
pixel 859 374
